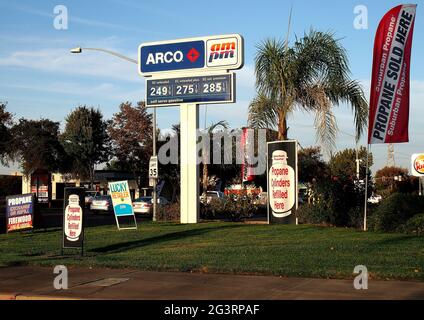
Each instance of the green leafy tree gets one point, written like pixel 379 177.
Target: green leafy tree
pixel 311 164
pixel 36 145
pixel 5 133
pixel 131 134
pixel 86 141
pixel 312 76
pixel 343 163
pixel 387 178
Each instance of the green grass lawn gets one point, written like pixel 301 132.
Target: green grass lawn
pixel 286 250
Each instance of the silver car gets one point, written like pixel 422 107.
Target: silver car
pixel 102 204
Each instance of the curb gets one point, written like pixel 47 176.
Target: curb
pixel 18 296
pixel 8 296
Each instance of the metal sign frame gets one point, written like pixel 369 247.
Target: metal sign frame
pixel 239 54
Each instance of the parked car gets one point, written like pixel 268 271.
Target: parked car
pixel 375 199
pixel 207 198
pixel 102 204
pixel 89 195
pixel 145 204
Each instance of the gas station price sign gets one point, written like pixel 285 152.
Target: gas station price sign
pixel 194 89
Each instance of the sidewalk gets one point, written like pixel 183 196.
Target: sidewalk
pixel 37 283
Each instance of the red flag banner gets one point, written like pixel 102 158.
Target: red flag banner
pixel 246 167
pixel 389 98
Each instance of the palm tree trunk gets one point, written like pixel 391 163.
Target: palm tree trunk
pixel 282 126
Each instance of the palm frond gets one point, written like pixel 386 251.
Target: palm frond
pixel 262 112
pixel 326 127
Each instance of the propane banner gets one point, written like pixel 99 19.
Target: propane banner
pixel 389 98
pixel 19 212
pixel 246 166
pixel 73 213
pixel 282 181
pixel 417 164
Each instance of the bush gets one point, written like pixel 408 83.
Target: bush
pixel 322 212
pixel 318 213
pixel 415 225
pixel 169 212
pixel 395 211
pixel 234 209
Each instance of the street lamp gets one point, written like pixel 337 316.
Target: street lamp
pixel 116 54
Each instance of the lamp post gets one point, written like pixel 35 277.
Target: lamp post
pixel 116 54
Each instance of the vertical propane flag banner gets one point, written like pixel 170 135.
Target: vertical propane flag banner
pixel 389 97
pixel 121 198
pixel 246 166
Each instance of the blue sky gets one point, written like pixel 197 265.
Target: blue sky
pixel 40 78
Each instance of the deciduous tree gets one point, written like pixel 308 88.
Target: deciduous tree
pixel 131 134
pixel 86 141
pixel 5 133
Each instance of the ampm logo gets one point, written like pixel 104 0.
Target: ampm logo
pixel 223 52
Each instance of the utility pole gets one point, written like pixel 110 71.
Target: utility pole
pixel 390 155
pixel 155 181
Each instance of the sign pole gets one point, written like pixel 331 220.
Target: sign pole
pixel 366 190
pixel 154 154
pixel 189 203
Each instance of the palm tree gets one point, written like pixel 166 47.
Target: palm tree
pixel 205 178
pixel 313 76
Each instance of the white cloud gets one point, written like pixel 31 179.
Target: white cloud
pixel 61 61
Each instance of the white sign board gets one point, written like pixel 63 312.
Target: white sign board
pixel 153 168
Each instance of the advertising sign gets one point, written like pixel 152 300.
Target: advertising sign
pixel 73 217
pixel 121 201
pixel 202 89
pixel 282 181
pixel 19 212
pixel 223 52
pixel 417 164
pixel 389 99
pixel 121 198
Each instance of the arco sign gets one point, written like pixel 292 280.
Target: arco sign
pixel 222 52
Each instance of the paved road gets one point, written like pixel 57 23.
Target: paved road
pixel 37 282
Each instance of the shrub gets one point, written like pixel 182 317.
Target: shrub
pixel 169 212
pixel 232 208
pixel 415 225
pixel 395 211
pixel 318 213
